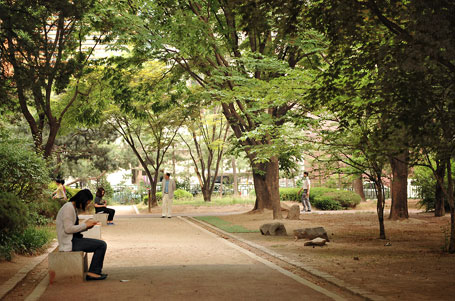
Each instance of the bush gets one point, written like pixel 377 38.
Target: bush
pixel 182 194
pixel 290 194
pixel 13 213
pixel 323 198
pixel 31 240
pixel 425 179
pixel 22 171
pixel 325 204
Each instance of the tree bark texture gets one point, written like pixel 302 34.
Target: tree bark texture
pixel 380 207
pixel 439 208
pixel 399 207
pixel 266 184
pixel 234 175
pixel 357 185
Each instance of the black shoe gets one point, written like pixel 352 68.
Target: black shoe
pixel 168 217
pixel 163 217
pixel 101 277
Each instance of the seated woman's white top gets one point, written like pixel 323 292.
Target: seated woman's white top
pixel 66 219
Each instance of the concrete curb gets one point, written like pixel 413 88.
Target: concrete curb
pixel 10 284
pixel 308 268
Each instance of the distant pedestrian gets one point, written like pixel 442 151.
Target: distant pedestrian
pixel 168 188
pixel 101 206
pixel 306 192
pixel 60 192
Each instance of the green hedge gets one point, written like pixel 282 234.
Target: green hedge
pixel 178 194
pixel 323 198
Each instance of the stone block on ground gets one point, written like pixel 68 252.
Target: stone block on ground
pixel 94 232
pixel 101 217
pixel 294 212
pixel 315 242
pixel 67 266
pixel 274 229
pixel 311 233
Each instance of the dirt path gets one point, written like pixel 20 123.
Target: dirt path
pixel 171 259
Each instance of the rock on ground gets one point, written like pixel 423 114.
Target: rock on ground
pixel 294 212
pixel 311 233
pixel 315 242
pixel 275 229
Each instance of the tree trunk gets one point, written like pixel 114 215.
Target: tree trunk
pixel 399 207
pixel 380 207
pixel 234 174
pixel 266 185
pixel 439 208
pixel 206 194
pixel 451 204
pixel 357 185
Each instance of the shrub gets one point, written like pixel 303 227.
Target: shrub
pixel 325 204
pixel 425 179
pixel 31 240
pixel 13 213
pixel 290 194
pixel 22 171
pixel 333 199
pixel 182 194
pixel 323 198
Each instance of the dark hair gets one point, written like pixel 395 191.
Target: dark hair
pixel 60 181
pixel 305 173
pixel 168 174
pixel 99 192
pixel 81 198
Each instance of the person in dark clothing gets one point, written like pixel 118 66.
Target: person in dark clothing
pixel 70 237
pixel 100 206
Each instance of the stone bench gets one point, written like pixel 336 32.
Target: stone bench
pixel 101 217
pixel 67 265
pixel 94 232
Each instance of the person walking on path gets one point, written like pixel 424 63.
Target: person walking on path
pixel 306 193
pixel 101 206
pixel 168 188
pixel 60 192
pixel 70 238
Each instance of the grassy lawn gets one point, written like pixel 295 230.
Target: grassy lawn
pixel 224 225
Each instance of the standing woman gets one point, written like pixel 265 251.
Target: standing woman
pixel 70 237
pixel 100 206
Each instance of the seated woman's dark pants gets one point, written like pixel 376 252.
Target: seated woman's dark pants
pixel 98 247
pixel 110 211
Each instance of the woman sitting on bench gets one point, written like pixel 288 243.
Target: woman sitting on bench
pixel 70 238
pixel 100 206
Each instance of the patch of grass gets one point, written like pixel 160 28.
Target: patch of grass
pixel 224 225
pixel 216 201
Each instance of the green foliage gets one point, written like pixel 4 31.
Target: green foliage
pixel 31 240
pixel 13 213
pixel 425 179
pixel 323 198
pixel 179 194
pixel 22 171
pixel 182 194
pixel 225 225
pixel 290 194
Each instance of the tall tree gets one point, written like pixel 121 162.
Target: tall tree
pixel 41 45
pixel 410 47
pixel 147 110
pixel 209 132
pixel 249 48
